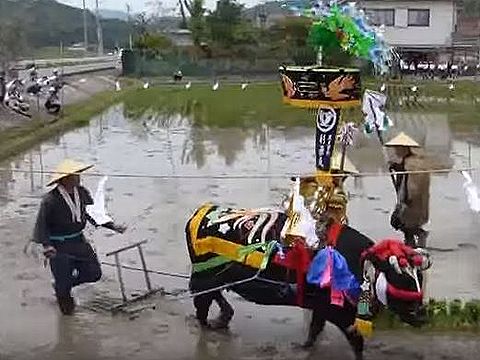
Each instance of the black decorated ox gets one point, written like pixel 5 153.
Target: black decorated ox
pixel 229 245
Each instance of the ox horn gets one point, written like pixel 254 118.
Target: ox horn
pixel 426 260
pixel 394 262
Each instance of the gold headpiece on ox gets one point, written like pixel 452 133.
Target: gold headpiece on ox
pixel 323 192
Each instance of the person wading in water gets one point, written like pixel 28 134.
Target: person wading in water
pixel 59 227
pixel 413 191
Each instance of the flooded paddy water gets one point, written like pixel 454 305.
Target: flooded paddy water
pixel 190 164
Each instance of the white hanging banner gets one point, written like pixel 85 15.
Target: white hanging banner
pixel 97 211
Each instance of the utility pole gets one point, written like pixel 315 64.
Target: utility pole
pixel 99 31
pixel 85 33
pixel 130 42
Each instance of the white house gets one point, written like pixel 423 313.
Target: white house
pixel 415 26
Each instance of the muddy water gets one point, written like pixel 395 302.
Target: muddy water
pixel 157 209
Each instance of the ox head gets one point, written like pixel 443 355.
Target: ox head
pixel 398 281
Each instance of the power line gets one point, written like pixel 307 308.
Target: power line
pixel 243 176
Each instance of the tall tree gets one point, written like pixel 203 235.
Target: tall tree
pixel 223 21
pixel 185 7
pixel 197 21
pixel 471 8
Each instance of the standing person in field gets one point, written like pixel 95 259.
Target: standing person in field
pixel 61 220
pixel 413 191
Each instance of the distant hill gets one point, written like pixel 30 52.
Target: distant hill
pixel 47 23
pixel 113 14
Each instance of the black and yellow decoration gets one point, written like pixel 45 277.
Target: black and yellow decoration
pixel 315 87
pixel 218 235
pixel 328 91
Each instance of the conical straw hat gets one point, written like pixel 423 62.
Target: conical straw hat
pixel 66 168
pixel 336 164
pixel 402 139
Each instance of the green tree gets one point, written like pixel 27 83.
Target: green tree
pixel 471 8
pixel 141 24
pixel 223 22
pixel 289 33
pixel 197 23
pixel 151 45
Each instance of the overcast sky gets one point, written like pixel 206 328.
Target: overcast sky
pixel 142 5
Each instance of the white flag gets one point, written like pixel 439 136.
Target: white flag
pixel 97 211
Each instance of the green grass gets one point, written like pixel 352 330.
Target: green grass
pixel 262 103
pixel 442 316
pixel 229 106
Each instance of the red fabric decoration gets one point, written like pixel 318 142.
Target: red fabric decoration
pixel 417 260
pixel 333 233
pixel 386 248
pixel 298 258
pixel 404 294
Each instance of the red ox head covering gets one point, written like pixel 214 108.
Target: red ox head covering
pixel 385 249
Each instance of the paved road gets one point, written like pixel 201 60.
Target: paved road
pixel 66 61
pixel 74 69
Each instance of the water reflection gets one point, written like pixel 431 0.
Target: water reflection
pixel 151 142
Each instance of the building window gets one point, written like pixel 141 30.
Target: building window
pixel 419 17
pixel 378 17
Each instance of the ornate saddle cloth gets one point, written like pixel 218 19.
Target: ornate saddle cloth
pixel 216 230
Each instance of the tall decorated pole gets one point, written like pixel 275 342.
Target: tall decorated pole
pixel 328 91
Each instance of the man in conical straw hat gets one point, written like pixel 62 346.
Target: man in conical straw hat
pixel 413 190
pixel 61 220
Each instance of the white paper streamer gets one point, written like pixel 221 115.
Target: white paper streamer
pixel 373 103
pixel 471 191
pixel 347 134
pixel 307 223
pixel 97 211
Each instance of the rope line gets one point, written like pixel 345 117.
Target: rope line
pixel 253 176
pixel 163 273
